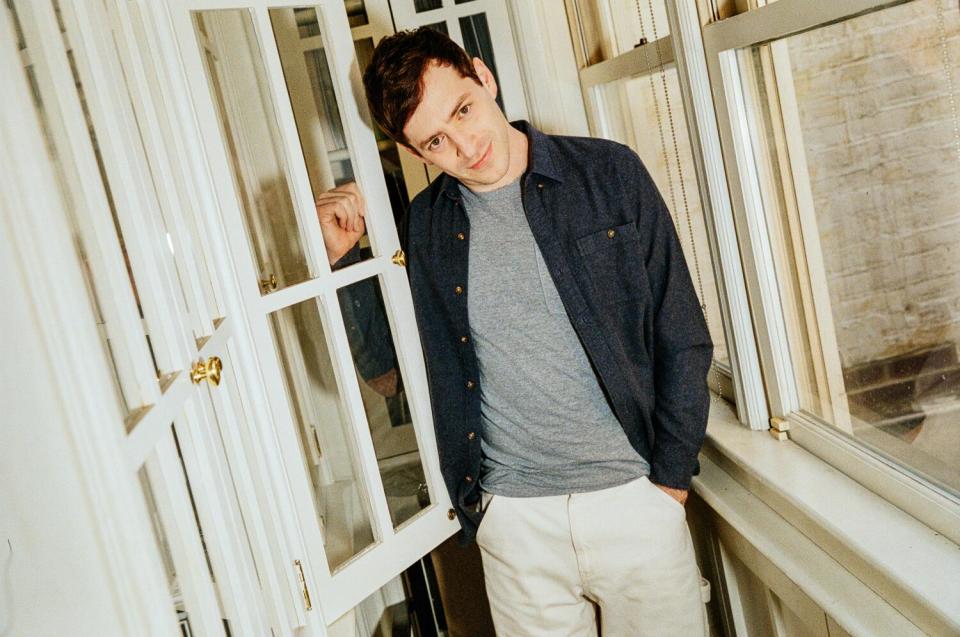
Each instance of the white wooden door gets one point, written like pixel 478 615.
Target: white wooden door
pixel 167 339
pixel 280 123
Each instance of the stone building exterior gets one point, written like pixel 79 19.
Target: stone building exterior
pixel 878 104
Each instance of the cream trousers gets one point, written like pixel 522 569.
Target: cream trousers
pixel 617 562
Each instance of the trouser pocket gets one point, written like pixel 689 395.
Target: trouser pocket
pixel 486 502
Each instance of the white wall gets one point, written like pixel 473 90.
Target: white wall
pixel 55 582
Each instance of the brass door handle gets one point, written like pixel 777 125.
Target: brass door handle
pixel 209 371
pixel 399 258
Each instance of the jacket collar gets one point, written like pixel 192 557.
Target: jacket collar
pixel 541 160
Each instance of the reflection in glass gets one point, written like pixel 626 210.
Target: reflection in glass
pixel 163 547
pixel 381 613
pixel 869 241
pixel 248 121
pixel 121 368
pixel 427 5
pixel 318 114
pixel 356 12
pixel 160 532
pixel 313 99
pixel 327 443
pixel 389 153
pixel 477 43
pixel 384 399
pixel 438 26
pixel 645 113
pixel 635 23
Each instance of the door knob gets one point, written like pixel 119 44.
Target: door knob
pixel 399 258
pixel 269 284
pixel 207 371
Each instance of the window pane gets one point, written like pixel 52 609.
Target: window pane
pixel 385 612
pixel 327 444
pixel 356 12
pixel 614 27
pixel 163 526
pixel 427 5
pixel 389 151
pixel 477 43
pixel 91 263
pixel 313 99
pixel 250 132
pixel 646 113
pixel 384 399
pixel 439 26
pixel 860 168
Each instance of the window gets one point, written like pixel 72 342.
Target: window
pixel 634 98
pixel 863 128
pixel 813 156
pixel 841 140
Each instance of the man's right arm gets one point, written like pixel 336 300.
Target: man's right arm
pixel 341 213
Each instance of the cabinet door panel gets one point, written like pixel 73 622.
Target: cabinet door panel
pixel 276 90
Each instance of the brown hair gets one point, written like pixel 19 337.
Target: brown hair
pixel 393 81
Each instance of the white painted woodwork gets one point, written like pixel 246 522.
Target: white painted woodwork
pixel 882 565
pixel 60 472
pixel 336 592
pixel 799 544
pixel 541 34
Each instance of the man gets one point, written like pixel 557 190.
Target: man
pixel 566 350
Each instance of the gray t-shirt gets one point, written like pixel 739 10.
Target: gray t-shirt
pixel 547 427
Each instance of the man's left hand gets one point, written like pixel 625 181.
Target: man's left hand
pixel 680 495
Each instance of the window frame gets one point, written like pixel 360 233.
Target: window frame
pixel 722 41
pixel 742 380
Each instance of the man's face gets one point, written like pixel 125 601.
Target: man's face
pixel 459 128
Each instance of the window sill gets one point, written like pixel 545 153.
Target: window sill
pixel 905 563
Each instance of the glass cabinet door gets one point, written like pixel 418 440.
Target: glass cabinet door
pixel 166 339
pixel 276 90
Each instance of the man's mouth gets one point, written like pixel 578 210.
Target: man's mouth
pixel 483 159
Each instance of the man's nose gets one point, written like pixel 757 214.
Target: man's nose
pixel 467 145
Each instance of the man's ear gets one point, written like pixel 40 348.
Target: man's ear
pixel 486 77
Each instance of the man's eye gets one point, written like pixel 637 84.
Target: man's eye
pixel 465 109
pixel 434 143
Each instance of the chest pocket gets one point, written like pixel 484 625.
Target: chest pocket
pixel 614 264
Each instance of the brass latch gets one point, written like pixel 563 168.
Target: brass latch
pixel 779 428
pixel 303 585
pixel 209 371
pixel 269 284
pixel 399 258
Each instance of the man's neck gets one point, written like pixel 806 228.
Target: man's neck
pixel 519 155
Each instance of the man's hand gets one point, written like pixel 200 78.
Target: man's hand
pixel 680 495
pixel 341 213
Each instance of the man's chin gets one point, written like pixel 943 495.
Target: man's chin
pixel 492 179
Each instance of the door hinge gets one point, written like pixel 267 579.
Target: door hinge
pixel 303 585
pixel 316 440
